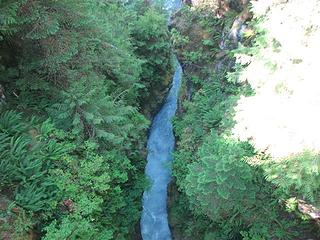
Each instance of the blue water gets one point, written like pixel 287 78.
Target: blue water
pixel 171 6
pixel 154 219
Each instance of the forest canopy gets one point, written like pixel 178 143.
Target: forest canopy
pixel 80 81
pixel 74 75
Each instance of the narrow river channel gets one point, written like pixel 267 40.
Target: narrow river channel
pixel 154 219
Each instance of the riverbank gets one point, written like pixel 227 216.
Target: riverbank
pixel 224 187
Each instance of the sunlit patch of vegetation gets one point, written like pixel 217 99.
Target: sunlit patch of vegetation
pixel 247 149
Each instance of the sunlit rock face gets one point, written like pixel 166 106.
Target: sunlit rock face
pixel 283 117
pixel 218 6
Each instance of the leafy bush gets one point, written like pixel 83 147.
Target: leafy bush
pixel 220 183
pixel 24 164
pixel 151 40
pixel 297 174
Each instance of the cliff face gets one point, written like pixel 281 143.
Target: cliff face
pixel 219 7
pixel 200 34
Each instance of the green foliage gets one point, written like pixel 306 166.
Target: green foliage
pixel 221 193
pixel 152 45
pixel 297 174
pixel 24 164
pixel 178 40
pixel 81 70
pixel 220 183
pixel 251 236
pixel 46 167
pixel 14 220
pixel 194 56
pixel 91 112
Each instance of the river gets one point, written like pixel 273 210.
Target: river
pixel 154 219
